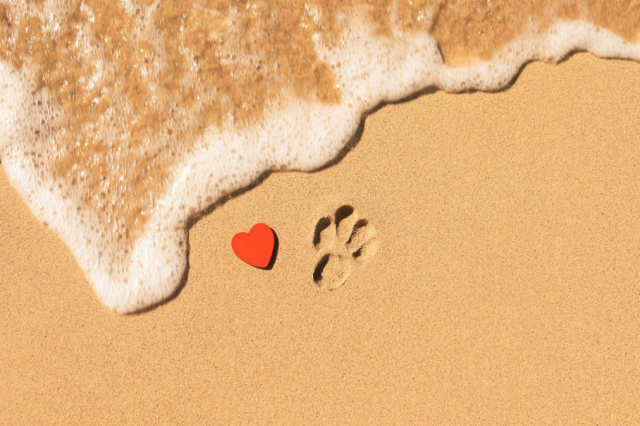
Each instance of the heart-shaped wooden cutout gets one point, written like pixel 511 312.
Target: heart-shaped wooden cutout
pixel 255 247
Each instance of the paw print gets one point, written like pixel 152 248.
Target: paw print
pixel 345 241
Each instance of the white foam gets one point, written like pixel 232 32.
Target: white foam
pixel 294 134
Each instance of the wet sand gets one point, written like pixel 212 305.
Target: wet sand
pixel 504 291
pixel 127 91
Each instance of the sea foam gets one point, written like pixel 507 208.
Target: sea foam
pixel 293 134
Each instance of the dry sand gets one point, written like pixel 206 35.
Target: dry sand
pixel 505 291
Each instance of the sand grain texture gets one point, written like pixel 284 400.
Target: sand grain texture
pixel 505 289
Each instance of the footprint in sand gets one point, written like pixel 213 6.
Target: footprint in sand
pixel 344 242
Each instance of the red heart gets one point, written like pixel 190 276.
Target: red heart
pixel 256 247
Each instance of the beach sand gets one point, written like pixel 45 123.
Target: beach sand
pixel 506 289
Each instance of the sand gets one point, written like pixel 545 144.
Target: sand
pixel 505 290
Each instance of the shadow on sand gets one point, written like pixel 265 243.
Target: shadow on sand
pixel 349 146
